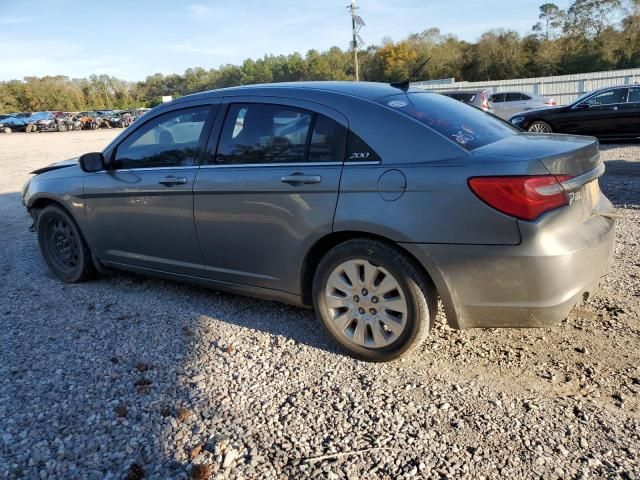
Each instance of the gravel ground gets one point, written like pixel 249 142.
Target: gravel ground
pixel 127 377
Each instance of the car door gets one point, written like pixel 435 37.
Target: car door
pixel 269 190
pixel 631 113
pixel 512 104
pixel 499 106
pixel 527 102
pixel 140 211
pixel 597 115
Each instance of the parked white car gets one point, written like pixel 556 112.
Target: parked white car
pixel 507 104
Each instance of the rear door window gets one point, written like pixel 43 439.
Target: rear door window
pixel 465 125
pixel 256 133
pixel 328 140
pixel 497 97
pixel 263 133
pixel 513 97
pixel 634 95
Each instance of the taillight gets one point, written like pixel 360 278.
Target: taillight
pixel 550 102
pixel 525 197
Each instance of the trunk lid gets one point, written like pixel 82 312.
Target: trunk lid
pixel 560 154
pixel 574 161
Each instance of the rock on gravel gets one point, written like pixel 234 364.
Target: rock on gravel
pixel 184 382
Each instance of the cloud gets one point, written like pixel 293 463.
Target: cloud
pixel 198 9
pixel 197 50
pixel 27 58
pixel 16 20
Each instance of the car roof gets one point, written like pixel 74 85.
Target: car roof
pixel 366 90
pixel 466 90
pixel 610 87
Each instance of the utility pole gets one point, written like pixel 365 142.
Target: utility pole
pixel 356 24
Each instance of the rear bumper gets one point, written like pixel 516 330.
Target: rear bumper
pixel 534 284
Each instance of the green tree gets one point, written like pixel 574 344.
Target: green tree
pixel 551 21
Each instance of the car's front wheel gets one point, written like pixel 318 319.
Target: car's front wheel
pixel 373 300
pixel 540 127
pixel 63 247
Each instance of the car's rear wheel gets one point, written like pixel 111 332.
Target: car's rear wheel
pixel 373 300
pixel 63 247
pixel 6 130
pixel 540 127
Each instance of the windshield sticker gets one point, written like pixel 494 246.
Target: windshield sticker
pixel 397 103
pixel 463 138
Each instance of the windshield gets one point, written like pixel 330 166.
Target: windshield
pixel 468 126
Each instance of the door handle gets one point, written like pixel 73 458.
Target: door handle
pixel 171 180
pixel 300 179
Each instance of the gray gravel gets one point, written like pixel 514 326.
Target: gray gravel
pixel 131 376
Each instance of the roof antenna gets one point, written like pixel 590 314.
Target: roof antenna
pixel 404 85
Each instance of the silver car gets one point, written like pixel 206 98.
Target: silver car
pixel 478 98
pixel 507 104
pixel 367 202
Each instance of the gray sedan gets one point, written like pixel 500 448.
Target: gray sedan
pixel 368 202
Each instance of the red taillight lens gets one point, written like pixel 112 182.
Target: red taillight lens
pixel 525 197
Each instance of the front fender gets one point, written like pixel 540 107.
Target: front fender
pixel 65 191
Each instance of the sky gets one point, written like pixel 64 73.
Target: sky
pixel 131 39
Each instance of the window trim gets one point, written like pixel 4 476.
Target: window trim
pixel 213 108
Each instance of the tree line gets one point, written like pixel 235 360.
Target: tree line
pixel 591 35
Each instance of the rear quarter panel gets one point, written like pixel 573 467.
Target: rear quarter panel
pixel 437 205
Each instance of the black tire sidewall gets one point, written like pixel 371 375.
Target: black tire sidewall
pixel 84 261
pixel 385 256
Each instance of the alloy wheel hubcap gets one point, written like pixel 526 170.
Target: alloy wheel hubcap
pixel 539 128
pixel 366 303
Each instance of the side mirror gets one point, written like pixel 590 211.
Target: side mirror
pixel 92 162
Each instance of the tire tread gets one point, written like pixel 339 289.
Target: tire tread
pixel 88 269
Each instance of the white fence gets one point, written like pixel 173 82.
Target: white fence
pixel 564 88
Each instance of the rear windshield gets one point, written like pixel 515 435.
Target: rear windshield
pixel 468 126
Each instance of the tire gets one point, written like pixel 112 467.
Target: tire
pixel 62 128
pixel 64 249
pixel 352 313
pixel 6 130
pixel 28 128
pixel 540 127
